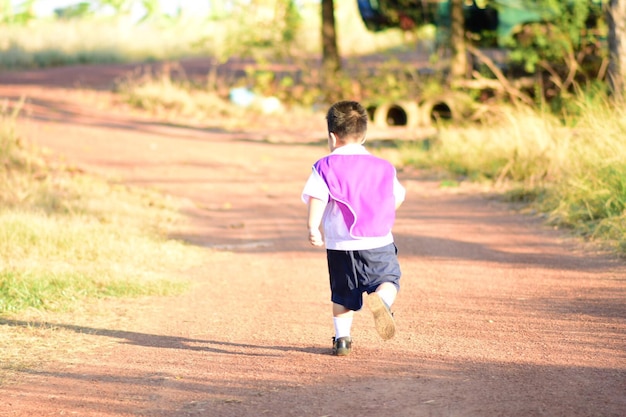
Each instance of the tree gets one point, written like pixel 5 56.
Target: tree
pixel 331 62
pixel 616 19
pixel 458 63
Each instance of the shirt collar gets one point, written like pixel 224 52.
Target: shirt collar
pixel 351 149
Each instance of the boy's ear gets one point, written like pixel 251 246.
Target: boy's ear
pixel 333 139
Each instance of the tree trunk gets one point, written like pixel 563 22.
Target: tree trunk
pixel 616 18
pixel 458 63
pixel 331 62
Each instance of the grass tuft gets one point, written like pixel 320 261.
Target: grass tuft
pixel 71 245
pixel 66 237
pixel 571 169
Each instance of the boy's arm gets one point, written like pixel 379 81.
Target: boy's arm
pixel 314 221
pixel 399 192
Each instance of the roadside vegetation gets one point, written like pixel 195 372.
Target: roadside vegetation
pixel 567 163
pixel 571 170
pixel 563 159
pixel 69 239
pixel 256 30
pixel 66 236
pixel 568 167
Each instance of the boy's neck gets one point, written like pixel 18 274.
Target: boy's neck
pixel 334 142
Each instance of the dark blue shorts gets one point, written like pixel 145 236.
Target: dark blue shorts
pixel 354 272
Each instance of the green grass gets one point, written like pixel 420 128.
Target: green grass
pixel 572 169
pixel 50 262
pixel 74 249
pixel 67 237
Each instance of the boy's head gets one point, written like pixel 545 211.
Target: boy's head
pixel 347 122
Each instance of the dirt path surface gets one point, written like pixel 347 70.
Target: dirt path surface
pixel 497 315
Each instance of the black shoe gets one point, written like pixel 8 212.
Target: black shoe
pixel 342 346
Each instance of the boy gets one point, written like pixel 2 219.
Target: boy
pixel 354 196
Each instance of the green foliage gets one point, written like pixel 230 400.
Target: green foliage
pixel 75 11
pixel 20 15
pixel 292 21
pixel 276 25
pixel 405 13
pixel 563 30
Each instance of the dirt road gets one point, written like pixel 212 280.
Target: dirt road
pixel 497 315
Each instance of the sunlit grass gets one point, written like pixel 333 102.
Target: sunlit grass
pixel 70 241
pixel 165 97
pixel 574 171
pixel 45 43
pixel 51 262
pixel 66 236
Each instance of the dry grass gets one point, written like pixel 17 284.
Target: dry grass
pixel 573 170
pixel 72 245
pixel 248 31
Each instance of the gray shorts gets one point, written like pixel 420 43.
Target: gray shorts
pixel 354 272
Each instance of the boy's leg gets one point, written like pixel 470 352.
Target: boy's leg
pixel 342 319
pixel 388 292
pixel 341 311
pixel 379 303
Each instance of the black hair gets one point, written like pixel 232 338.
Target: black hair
pixel 347 118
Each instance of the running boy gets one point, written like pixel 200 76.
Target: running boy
pixel 354 195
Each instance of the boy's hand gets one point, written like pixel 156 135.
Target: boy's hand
pixel 316 213
pixel 315 237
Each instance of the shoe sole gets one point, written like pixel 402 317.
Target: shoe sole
pixel 383 320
